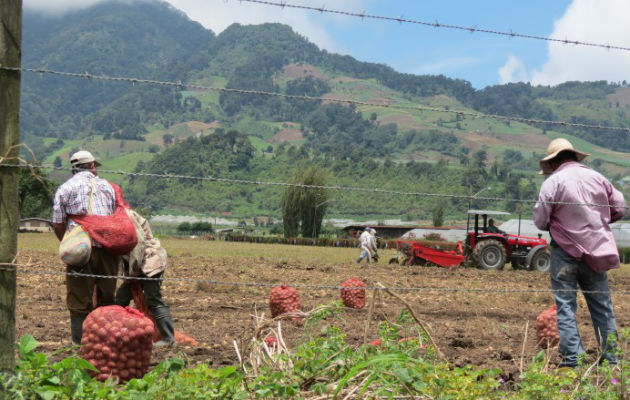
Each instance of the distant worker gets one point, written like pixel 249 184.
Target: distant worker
pixel 367 242
pixel 148 260
pixel 576 205
pixel 85 193
pixel 492 228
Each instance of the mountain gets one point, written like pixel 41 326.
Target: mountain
pixel 149 128
pixel 139 39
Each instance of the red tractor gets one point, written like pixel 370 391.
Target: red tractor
pixel 483 248
pixel 492 250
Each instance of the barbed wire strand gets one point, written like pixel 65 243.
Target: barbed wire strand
pixel 31 269
pixel 307 186
pixel 436 24
pixel 415 107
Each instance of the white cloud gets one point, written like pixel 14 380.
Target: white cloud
pixel 594 21
pixel 219 14
pixel 513 70
pixel 446 65
pixel 60 7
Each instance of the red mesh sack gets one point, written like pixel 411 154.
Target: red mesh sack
pixel 271 341
pixel 353 298
pixel 547 328
pixel 141 305
pixel 283 299
pixel 118 342
pixel 115 232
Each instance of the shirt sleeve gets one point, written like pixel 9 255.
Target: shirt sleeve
pixel 542 209
pixel 146 228
pixel 617 203
pixel 58 213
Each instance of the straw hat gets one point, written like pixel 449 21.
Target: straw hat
pixel 554 148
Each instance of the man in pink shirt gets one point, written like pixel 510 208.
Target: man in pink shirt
pixel 576 205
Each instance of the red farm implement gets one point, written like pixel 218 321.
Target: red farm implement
pixel 484 246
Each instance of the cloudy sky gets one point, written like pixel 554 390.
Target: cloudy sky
pixel 480 58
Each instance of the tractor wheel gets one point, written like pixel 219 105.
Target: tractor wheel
pixel 490 254
pixel 540 261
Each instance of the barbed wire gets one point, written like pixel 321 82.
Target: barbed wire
pixel 415 107
pixel 31 269
pixel 436 24
pixel 325 187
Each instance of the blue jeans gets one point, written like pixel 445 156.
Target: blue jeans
pixel 364 253
pixel 566 274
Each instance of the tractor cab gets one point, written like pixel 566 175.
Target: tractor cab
pixel 481 218
pixel 490 248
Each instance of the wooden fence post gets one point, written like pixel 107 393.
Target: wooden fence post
pixel 10 51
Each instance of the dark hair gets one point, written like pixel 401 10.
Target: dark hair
pixel 490 221
pixel 564 156
pixel 82 167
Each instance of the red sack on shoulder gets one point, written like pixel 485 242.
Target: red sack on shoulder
pixel 116 232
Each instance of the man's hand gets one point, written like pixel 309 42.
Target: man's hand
pixel 59 229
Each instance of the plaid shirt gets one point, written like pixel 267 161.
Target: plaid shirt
pixel 73 198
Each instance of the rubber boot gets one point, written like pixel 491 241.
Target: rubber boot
pixel 76 329
pixel 164 324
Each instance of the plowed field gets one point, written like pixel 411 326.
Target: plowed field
pixel 471 321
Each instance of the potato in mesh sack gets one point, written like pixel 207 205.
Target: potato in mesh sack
pixel 547 328
pixel 118 342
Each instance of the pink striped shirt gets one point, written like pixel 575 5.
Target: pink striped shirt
pixel 583 232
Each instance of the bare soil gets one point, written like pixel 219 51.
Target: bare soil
pixel 404 121
pixel 620 99
pixel 482 328
pixel 286 135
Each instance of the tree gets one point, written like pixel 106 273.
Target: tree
pixel 57 162
pixel 480 159
pixel 184 227
pixel 35 193
pixel 303 209
pixel 438 215
pixel 167 138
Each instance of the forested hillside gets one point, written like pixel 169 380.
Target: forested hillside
pixel 148 128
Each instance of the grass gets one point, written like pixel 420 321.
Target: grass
pixel 103 149
pixel 126 162
pixel 258 143
pixel 68 145
pixel 251 127
pixel 236 252
pixel 216 250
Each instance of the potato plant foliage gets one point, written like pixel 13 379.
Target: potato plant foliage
pixel 322 366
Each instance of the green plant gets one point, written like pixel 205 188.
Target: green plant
pixel 36 378
pixel 323 364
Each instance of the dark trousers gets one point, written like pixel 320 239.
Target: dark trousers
pixel 152 292
pixel 79 289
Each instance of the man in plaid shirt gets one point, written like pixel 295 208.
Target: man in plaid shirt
pixel 73 198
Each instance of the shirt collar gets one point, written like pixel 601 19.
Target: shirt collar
pixel 87 174
pixel 567 165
